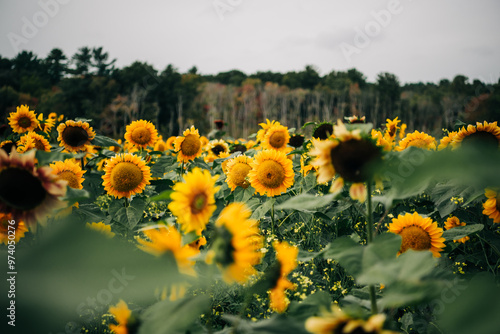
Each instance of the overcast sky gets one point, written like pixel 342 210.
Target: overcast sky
pixel 419 40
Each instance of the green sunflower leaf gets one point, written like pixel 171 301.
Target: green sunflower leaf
pixel 461 231
pixel 306 202
pixel 103 141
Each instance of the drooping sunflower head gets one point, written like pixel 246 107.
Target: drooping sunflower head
pixel 27 192
pixel 417 139
pixel 193 200
pixel 491 207
pixel 296 140
pixel 218 146
pixel 452 222
pixel 237 172
pixel 141 133
pixel 276 138
pixel 238 242
pixel 69 171
pixel 482 134
pixel 33 140
pixel 286 256
pixel 126 175
pixel 418 233
pixel 323 131
pixel 163 239
pixel 23 120
pixel 238 148
pixel 188 146
pixel 272 173
pixel 7 220
pixel 74 136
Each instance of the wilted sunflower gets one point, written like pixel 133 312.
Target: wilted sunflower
pixel 69 171
pixel 337 322
pixel 188 146
pixel 418 233
pixel 323 131
pixel 276 138
pixel 238 242
pixel 23 120
pixel 287 259
pixel 126 175
pixel 417 139
pixel 350 155
pixel 5 221
pixel 101 228
pixel 237 172
pixel 28 192
pixel 7 146
pixel 452 222
pixel 32 140
pixel 162 239
pixel 74 136
pixel 492 205
pixel 193 200
pixel 261 134
pixel 128 323
pixel 483 134
pixel 141 133
pixel 447 140
pixel 272 173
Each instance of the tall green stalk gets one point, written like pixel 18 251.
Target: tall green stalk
pixel 369 239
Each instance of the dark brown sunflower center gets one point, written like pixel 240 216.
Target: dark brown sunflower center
pixel 277 139
pixel 323 131
pixel 126 176
pixel 21 190
pixel 70 177
pixel 218 149
pixel 198 203
pixel 75 136
pixel 239 173
pixel 352 159
pixel 482 138
pixel 24 122
pixel 8 147
pixel 416 238
pixel 271 174
pixel 141 136
pixel 190 145
pixel 296 141
pixel 392 130
pixel 223 247
pixel 239 147
pixel 39 145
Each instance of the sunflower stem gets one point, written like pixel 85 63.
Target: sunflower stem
pixel 83 163
pixel 272 219
pixel 369 239
pixel 126 202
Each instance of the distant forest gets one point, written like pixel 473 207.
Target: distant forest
pixel 88 85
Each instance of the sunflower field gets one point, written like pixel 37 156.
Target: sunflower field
pixel 341 226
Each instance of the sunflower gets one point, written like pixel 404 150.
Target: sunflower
pixel 28 192
pixel 323 131
pixel 492 205
pixel 276 138
pixel 261 134
pixel 126 175
pixel 193 200
pixel 337 321
pixel 296 140
pixel 287 259
pixel 356 119
pixel 271 173
pixel 218 146
pixel 391 127
pixel 160 146
pixel 238 242
pixel 101 228
pixel 238 147
pixel 141 133
pixel 381 140
pixel 418 233
pixel 452 222
pixel 7 146
pixel 188 146
pixel 170 142
pixel 484 134
pixel 447 140
pixel 417 139
pixel 350 155
pixel 237 172
pixel 74 136
pixel 23 120
pixel 128 323
pixel 45 125
pixel 69 171
pixel 6 221
pixel 32 140
pixel 162 239
pixel 305 168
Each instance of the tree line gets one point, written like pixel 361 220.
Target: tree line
pixel 89 85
